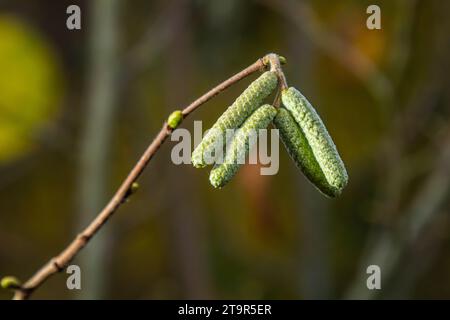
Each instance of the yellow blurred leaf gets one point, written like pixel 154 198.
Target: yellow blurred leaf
pixel 29 86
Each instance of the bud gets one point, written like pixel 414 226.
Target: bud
pixel 10 282
pixel 175 119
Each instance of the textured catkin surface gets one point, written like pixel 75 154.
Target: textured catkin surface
pixel 235 115
pixel 240 145
pixel 298 148
pixel 319 142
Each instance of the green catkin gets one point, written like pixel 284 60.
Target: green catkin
pixel 310 145
pixel 298 148
pixel 240 145
pixel 235 115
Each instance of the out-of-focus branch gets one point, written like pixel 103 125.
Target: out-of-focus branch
pixel 154 39
pixel 421 256
pixel 401 44
pixel 59 262
pixel 97 135
pixel 407 124
pixel 386 249
pixel 304 18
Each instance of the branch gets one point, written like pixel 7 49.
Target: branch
pixel 59 262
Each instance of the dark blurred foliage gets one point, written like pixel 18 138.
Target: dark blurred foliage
pixel 72 125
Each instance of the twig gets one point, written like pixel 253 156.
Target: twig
pixel 273 60
pixel 59 262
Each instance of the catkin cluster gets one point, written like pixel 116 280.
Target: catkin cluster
pixel 246 116
pixel 300 127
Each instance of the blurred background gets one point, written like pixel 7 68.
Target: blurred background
pixel 78 107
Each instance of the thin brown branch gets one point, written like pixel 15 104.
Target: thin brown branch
pixel 273 60
pixel 59 262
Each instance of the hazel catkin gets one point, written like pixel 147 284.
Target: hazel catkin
pixel 240 145
pixel 299 150
pixel 312 147
pixel 234 116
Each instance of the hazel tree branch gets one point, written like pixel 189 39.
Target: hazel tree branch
pixel 128 186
